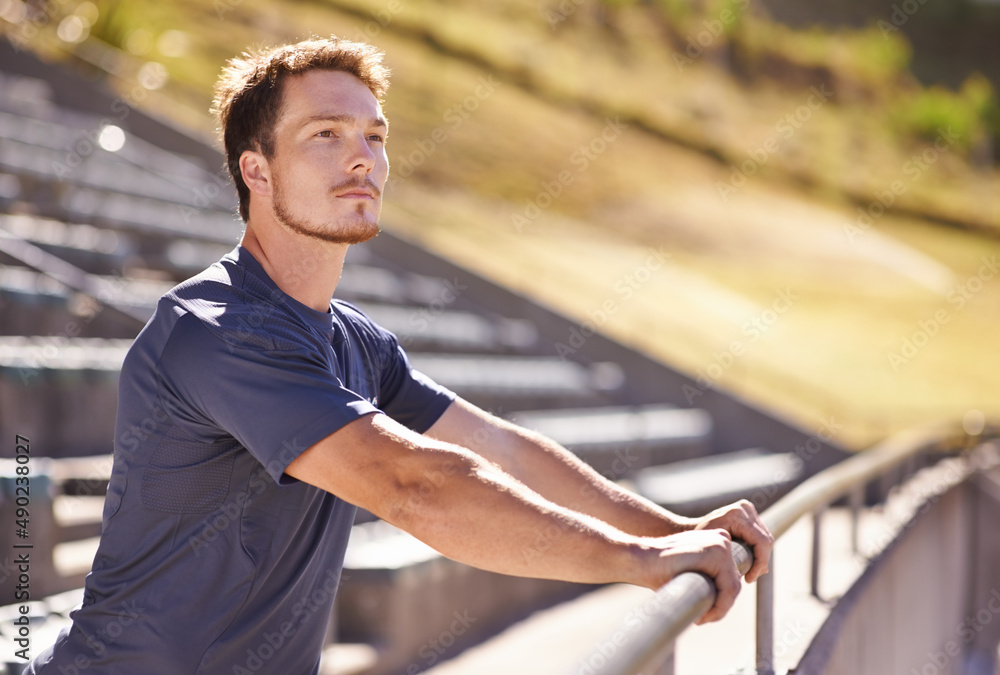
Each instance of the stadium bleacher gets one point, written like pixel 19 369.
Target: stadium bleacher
pixel 126 218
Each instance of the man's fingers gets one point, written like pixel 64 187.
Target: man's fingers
pixel 762 542
pixel 762 548
pixel 726 578
pixel 761 562
pixel 727 586
pixel 742 520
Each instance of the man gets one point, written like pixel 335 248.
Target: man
pixel 255 414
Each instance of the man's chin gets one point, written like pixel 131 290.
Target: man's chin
pixel 353 233
pixel 360 236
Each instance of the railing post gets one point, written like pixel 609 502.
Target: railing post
pixel 765 622
pixel 686 597
pixel 667 666
pixel 857 499
pixel 817 519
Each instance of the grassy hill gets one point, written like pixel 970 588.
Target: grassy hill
pixel 764 207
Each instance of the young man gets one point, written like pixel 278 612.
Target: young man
pixel 255 414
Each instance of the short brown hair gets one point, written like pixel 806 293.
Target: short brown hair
pixel 248 94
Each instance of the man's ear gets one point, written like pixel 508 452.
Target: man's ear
pixel 256 172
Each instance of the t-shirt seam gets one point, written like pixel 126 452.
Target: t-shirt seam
pixel 240 284
pixel 250 586
pixel 320 423
pixel 317 422
pixel 240 347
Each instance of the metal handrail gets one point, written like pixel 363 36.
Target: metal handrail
pixel 684 599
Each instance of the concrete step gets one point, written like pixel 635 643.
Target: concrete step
pixel 503 383
pixel 47 617
pixel 38 147
pixel 697 486
pixel 126 212
pixel 115 250
pixel 73 560
pixel 348 659
pixel 418 608
pixel 62 393
pixel 56 385
pixel 617 441
pixel 78 518
pixel 65 521
pixel 366 280
pixel 95 250
pixel 433 328
pixel 562 640
pixel 34 304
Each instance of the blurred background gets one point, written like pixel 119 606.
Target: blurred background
pixel 742 238
pixel 820 180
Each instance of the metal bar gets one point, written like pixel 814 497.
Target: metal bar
pixel 667 666
pixel 833 483
pixel 857 499
pixel 765 622
pixel 686 598
pixel 817 524
pixel 678 604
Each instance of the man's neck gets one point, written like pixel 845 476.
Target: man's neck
pixel 306 268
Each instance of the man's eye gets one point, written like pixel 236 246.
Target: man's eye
pixel 326 133
pixel 378 138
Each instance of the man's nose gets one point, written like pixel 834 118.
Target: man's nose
pixel 362 157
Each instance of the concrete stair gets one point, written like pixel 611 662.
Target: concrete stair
pixel 147 216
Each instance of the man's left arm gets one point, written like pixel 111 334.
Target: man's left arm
pixel 561 477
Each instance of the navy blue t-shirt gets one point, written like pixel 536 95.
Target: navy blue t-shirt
pixel 212 560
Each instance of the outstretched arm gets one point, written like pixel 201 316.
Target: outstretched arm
pixel 558 475
pixel 469 509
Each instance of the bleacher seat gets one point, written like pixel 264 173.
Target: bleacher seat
pixel 95 250
pixel 32 303
pixel 444 330
pixel 143 217
pixel 504 383
pixel 620 440
pixel 60 392
pixel 696 486
pixel 396 593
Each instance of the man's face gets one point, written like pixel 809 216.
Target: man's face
pixel 329 165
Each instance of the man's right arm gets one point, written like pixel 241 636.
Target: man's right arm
pixel 472 511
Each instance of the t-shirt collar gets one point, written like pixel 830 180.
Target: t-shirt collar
pixel 245 259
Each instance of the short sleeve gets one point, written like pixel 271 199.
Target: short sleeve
pixel 275 403
pixel 407 395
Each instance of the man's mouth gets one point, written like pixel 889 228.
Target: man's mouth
pixel 357 194
pixel 356 189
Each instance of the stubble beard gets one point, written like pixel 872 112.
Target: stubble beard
pixel 352 230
